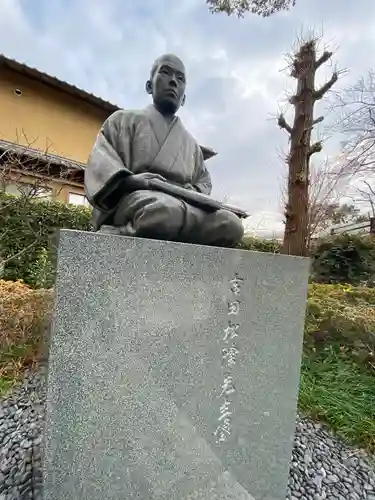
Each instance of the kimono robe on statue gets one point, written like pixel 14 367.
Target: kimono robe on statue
pixel 143 141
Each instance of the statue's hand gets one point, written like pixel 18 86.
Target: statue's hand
pixel 148 176
pixel 141 181
pixel 190 187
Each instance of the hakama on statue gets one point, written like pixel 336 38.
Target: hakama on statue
pixel 143 141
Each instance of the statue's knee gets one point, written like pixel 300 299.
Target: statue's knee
pixel 164 215
pixel 231 225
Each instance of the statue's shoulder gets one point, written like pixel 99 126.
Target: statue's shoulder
pixel 189 135
pixel 122 115
pixel 125 121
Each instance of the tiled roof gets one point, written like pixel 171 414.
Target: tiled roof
pixel 55 83
pixel 43 157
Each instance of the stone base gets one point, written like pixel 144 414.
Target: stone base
pixel 173 371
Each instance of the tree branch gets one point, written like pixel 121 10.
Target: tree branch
pixel 18 254
pixel 282 123
pixel 264 8
pixel 317 147
pixel 318 120
pixel 4 234
pixel 323 59
pixel 369 188
pixel 318 94
pixel 372 119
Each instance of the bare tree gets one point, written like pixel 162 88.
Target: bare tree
pixel 264 8
pixel 304 64
pixel 355 108
pixel 367 195
pixel 326 187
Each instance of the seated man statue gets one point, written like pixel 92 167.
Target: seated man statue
pixel 134 149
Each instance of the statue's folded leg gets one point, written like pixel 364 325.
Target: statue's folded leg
pixel 220 228
pixel 150 214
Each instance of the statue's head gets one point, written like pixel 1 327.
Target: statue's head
pixel 167 84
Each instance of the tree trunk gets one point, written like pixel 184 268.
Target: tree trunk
pixel 296 214
pixel 304 68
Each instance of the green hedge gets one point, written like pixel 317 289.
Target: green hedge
pixel 27 229
pixel 345 258
pixel 260 245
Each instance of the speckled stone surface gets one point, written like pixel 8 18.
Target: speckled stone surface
pixel 144 399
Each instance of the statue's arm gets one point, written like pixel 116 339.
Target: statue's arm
pixel 202 179
pixel 106 172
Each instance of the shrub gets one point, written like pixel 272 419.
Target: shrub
pixel 344 259
pixel 343 318
pixel 260 245
pixel 24 315
pixel 23 311
pixel 27 229
pixel 41 272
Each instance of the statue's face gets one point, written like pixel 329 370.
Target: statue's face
pixel 168 84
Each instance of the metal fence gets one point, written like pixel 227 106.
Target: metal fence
pixel 364 227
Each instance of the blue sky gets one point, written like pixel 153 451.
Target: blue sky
pixel 235 82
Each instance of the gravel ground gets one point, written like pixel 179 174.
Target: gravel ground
pixel 21 426
pixel 325 468
pixel 322 467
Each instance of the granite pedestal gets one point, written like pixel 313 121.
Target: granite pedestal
pixel 173 371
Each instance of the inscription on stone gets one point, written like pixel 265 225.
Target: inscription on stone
pixel 229 357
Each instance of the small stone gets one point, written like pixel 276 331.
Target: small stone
pixel 332 478
pixel 38 441
pixel 354 496
pixel 26 477
pixel 4 469
pixel 8 481
pixel 317 481
pixel 26 444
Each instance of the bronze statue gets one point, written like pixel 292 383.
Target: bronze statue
pixel 146 175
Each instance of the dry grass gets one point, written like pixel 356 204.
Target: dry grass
pixel 24 315
pixel 342 317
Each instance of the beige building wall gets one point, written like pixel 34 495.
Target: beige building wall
pixel 54 189
pixel 32 114
pixel 35 115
